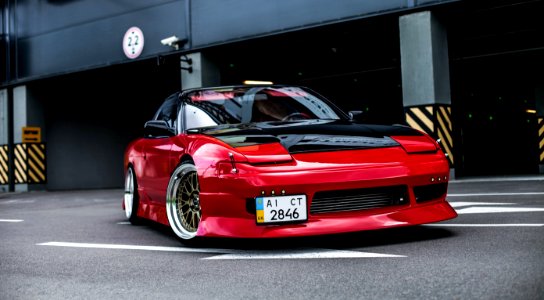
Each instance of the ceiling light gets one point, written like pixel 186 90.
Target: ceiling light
pixel 257 82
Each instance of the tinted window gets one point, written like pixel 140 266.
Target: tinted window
pixel 169 110
pixel 257 104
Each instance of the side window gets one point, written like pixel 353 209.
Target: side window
pixel 195 117
pixel 169 110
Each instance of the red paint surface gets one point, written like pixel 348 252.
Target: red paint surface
pixel 270 168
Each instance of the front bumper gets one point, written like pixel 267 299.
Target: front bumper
pixel 225 197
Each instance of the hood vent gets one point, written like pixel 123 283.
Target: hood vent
pixel 315 143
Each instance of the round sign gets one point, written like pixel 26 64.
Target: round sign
pixel 133 42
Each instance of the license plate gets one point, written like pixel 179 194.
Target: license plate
pixel 279 209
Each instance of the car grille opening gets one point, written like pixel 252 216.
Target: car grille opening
pixel 358 199
pixel 250 205
pixel 430 192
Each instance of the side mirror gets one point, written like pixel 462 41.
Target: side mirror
pixel 356 115
pixel 158 129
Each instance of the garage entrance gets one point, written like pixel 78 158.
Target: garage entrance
pixel 91 116
pixel 498 130
pixel 496 63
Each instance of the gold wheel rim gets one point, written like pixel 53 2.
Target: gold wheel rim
pixel 188 202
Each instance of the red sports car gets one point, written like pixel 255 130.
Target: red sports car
pixel 279 161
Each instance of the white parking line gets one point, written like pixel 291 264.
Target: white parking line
pixel 492 210
pixel 302 254
pixel 134 247
pixel 460 204
pixel 11 220
pixel 231 254
pixel 486 225
pixel 500 179
pixel 17 201
pixel 496 194
pixel 488 207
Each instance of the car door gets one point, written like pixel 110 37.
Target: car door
pixel 156 168
pixel 158 162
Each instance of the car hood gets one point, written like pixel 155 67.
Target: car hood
pixel 309 135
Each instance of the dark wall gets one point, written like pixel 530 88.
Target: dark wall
pixel 59 36
pixel 215 21
pixel 245 18
pixel 51 37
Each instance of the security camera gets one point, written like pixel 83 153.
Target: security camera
pixel 170 41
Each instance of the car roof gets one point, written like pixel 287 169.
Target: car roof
pixel 219 87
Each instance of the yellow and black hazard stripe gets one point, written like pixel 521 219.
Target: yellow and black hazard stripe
pixel 20 163
pixel 445 130
pixel 435 120
pixel 4 163
pixel 541 138
pixel 422 118
pixel 36 163
pixel 29 162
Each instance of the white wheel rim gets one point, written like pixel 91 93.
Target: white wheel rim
pixel 172 202
pixel 129 193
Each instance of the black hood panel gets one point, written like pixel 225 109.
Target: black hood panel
pixel 298 143
pixel 309 135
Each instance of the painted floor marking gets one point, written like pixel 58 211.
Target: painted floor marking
pixel 17 201
pixel 460 204
pixel 491 209
pixel 496 194
pixel 11 220
pixel 123 223
pixel 233 253
pixel 301 254
pixel 486 225
pixel 134 247
pixel 499 179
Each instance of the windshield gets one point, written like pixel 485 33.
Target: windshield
pixel 256 104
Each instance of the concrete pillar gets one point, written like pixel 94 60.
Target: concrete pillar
pixel 425 77
pixel 29 157
pixel 3 117
pixel 198 71
pixel 4 141
pixel 19 113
